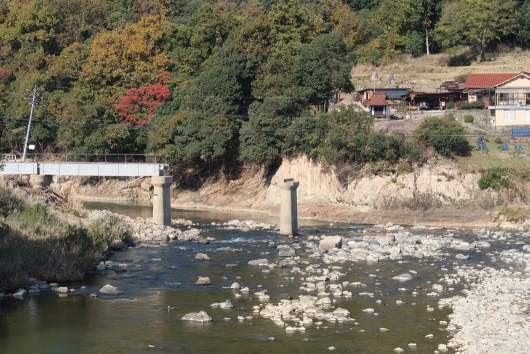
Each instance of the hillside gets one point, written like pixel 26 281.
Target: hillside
pixel 427 72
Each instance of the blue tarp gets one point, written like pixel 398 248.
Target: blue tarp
pixel 520 133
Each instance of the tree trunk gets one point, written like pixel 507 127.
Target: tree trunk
pixel 223 171
pixel 427 40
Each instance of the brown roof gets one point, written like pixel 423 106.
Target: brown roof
pixel 378 99
pixel 489 80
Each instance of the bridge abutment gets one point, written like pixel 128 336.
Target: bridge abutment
pixel 289 207
pixel 162 199
pixel 40 181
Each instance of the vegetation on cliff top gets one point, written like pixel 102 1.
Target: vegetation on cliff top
pixel 210 85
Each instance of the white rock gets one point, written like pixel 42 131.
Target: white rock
pixel 259 262
pixel 403 277
pixel 201 257
pixel 110 290
pixel 203 281
pixel 201 317
pixel 330 242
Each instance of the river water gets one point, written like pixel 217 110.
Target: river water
pixel 162 276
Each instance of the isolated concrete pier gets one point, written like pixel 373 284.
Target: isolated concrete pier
pixel 40 181
pixel 162 199
pixel 289 209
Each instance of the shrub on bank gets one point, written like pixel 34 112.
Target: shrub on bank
pixel 468 118
pixel 493 178
pixel 445 135
pixel 36 243
pixel 470 105
pixel 108 229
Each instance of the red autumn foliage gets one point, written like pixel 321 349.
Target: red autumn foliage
pixel 139 104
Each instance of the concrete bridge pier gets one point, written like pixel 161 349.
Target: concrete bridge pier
pixel 289 208
pixel 40 181
pixel 162 199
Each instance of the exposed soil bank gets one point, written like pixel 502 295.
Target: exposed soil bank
pixel 436 194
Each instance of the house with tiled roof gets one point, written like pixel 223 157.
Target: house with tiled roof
pixel 506 95
pixel 379 104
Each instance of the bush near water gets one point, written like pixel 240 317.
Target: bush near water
pixel 37 243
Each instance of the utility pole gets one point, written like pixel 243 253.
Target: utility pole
pixel 33 98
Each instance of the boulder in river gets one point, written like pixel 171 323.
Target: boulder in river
pixel 235 286
pixel 403 277
pixel 203 281
pixel 259 262
pixel 110 290
pixel 330 242
pixel 200 316
pixel 201 257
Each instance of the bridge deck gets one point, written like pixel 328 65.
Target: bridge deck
pixel 83 169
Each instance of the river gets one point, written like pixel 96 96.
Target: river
pixel 162 276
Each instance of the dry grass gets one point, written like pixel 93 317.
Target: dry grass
pixel 513 213
pixel 37 243
pixel 495 158
pixel 427 72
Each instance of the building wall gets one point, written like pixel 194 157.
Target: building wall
pixel 520 82
pixel 520 118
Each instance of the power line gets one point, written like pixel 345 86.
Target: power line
pixel 243 130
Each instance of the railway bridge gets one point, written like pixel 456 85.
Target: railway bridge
pixel 41 174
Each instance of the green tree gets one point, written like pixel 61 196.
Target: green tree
pixel 212 113
pixel 338 17
pixel 523 36
pixel 445 135
pixel 322 66
pixel 264 137
pixel 31 26
pixel 79 20
pixel 476 22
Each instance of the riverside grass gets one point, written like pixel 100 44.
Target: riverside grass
pixel 37 243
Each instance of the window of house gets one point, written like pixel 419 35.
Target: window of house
pixel 509 115
pixel 527 115
pixel 507 99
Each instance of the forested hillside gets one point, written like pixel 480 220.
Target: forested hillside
pixel 209 85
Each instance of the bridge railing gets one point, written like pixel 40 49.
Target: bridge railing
pixel 73 157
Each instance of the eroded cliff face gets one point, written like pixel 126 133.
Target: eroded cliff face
pixel 433 194
pixel 435 185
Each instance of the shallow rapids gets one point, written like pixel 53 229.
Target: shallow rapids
pixel 153 277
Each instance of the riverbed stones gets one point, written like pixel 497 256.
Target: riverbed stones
pixel 203 281
pixel 200 317
pixel 286 251
pixel 109 290
pixel 62 290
